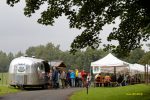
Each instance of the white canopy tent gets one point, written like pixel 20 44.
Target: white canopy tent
pixel 136 67
pixel 108 62
pixel 139 70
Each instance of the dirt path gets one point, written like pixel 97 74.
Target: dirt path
pixel 58 94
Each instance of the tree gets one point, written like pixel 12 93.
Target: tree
pixel 10 56
pixel 92 15
pixel 91 55
pixel 145 59
pixel 48 52
pixel 4 62
pixel 135 55
pixel 19 54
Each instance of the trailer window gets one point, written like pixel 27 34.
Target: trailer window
pixel 41 68
pixel 41 71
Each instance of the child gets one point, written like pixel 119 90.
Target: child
pixel 88 79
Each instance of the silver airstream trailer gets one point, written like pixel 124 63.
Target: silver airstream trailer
pixel 28 72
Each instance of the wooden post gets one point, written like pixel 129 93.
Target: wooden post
pixel 145 74
pixel 87 86
pixel 115 72
pixel 148 71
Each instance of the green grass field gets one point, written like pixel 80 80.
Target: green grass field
pixel 131 92
pixel 4 87
pixel 7 89
pixel 4 79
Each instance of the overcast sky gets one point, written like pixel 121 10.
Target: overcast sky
pixel 18 32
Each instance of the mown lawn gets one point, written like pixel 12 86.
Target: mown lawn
pixel 131 92
pixel 4 79
pixel 4 87
pixel 7 89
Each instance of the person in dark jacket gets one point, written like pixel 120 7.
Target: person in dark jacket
pixel 68 80
pixel 120 79
pixel 55 77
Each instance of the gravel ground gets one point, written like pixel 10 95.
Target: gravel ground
pixel 51 94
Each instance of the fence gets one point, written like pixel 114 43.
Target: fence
pixel 3 79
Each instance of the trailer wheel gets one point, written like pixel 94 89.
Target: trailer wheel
pixel 22 87
pixel 44 86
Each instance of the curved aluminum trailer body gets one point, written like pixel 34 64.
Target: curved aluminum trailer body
pixel 27 71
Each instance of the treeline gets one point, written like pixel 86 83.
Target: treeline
pixel 80 60
pixel 5 60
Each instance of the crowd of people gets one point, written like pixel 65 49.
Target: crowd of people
pixel 115 80
pixel 65 79
pixel 61 78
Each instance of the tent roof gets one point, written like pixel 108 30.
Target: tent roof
pixel 109 61
pixel 57 64
pixel 138 67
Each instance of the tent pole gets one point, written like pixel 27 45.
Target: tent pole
pixel 147 74
pixel 148 77
pixel 115 72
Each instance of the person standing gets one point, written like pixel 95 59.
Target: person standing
pixel 63 78
pixel 120 79
pixel 72 77
pixel 68 79
pixel 58 79
pixel 55 77
pixel 79 79
pixel 50 78
pixel 89 79
pixel 125 80
pixel 83 74
pixel 76 78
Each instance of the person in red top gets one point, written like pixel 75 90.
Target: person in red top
pixel 83 74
